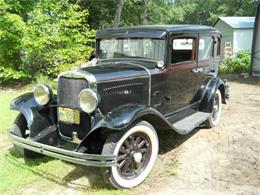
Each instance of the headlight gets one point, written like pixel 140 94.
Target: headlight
pixel 88 100
pixel 42 94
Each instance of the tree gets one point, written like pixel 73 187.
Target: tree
pixel 101 13
pixel 118 13
pixel 144 14
pixel 52 38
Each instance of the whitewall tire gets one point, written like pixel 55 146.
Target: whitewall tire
pixel 216 111
pixel 136 149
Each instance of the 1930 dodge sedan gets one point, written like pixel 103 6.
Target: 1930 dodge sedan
pixel 147 79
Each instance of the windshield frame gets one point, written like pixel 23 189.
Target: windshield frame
pixel 164 58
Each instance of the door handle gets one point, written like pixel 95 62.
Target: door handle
pixel 195 70
pixel 168 98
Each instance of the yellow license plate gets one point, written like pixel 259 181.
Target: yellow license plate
pixel 68 115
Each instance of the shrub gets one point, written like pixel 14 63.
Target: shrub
pixel 9 74
pixel 48 37
pixel 239 63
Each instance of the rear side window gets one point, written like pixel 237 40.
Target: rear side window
pixel 205 47
pixel 183 50
pixel 218 46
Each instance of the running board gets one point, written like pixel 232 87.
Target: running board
pixel 187 124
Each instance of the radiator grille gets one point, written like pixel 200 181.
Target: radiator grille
pixel 68 91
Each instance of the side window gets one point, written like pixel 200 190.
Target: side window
pixel 219 47
pixel 205 47
pixel 183 50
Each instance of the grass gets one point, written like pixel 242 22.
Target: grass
pixel 43 175
pixel 7 116
pixel 52 176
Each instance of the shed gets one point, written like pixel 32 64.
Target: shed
pixel 237 34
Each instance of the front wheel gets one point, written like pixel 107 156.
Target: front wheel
pixel 136 149
pixel 20 129
pixel 216 111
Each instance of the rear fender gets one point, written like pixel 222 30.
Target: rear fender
pixel 207 100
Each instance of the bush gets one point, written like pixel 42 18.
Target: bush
pixel 9 74
pixel 239 63
pixel 47 37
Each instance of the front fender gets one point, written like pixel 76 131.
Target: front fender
pixel 121 117
pixel 25 104
pixel 209 94
pixel 35 115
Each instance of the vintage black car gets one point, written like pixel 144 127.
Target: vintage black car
pixel 146 79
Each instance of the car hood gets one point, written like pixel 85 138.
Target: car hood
pixel 120 83
pixel 113 71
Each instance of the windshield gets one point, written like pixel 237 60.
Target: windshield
pixel 152 49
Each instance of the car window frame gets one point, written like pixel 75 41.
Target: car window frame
pixel 213 51
pixel 194 36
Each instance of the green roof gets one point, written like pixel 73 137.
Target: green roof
pixel 238 22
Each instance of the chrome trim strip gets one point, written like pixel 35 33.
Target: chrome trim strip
pixel 121 86
pixel 122 79
pixel 71 156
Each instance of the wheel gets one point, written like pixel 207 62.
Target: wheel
pixel 136 149
pixel 20 129
pixel 215 115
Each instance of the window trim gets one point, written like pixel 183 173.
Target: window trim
pixel 193 36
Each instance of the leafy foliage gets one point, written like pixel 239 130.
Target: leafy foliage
pixel 239 63
pixel 50 38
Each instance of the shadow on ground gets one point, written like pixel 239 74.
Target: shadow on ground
pixel 168 139
pixel 93 174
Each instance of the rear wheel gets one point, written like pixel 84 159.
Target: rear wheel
pixel 136 149
pixel 216 111
pixel 20 128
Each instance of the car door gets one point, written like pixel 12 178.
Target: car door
pixel 181 73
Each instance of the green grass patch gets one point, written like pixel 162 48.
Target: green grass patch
pixel 7 115
pixel 42 175
pixel 47 175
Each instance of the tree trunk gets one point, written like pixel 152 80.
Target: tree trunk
pixel 118 13
pixel 144 14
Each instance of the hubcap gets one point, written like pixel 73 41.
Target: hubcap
pixel 138 157
pixel 134 155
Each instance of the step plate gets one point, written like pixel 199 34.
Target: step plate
pixel 187 124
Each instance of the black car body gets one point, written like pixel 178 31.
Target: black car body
pixel 163 76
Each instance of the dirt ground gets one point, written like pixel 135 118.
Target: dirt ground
pixel 222 160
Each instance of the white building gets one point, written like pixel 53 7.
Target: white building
pixel 237 34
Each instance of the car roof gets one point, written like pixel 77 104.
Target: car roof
pixel 156 31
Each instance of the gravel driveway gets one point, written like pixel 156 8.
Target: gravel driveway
pixel 222 160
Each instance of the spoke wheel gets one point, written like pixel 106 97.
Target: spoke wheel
pixel 216 111
pixel 136 149
pixel 134 155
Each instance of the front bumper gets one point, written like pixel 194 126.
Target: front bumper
pixel 63 154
